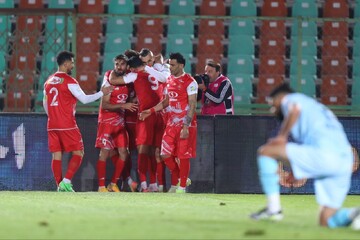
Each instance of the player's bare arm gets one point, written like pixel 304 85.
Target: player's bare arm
pixel 190 114
pixel 160 106
pixel 289 121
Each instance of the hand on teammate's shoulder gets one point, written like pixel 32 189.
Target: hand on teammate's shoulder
pixel 107 90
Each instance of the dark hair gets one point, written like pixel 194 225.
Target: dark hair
pixel 135 62
pixel 144 52
pixel 178 57
pixel 131 53
pixel 63 57
pixel 121 57
pixel 283 88
pixel 215 65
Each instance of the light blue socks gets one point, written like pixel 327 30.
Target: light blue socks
pixel 268 173
pixel 341 218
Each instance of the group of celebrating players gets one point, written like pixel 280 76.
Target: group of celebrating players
pixel 146 104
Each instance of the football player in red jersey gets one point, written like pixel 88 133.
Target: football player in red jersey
pixel 156 166
pixel 145 80
pixel 61 93
pixel 111 132
pixel 179 140
pixel 130 122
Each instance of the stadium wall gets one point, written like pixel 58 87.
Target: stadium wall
pixel 25 163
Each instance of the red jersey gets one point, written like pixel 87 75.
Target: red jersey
pixel 131 117
pixel 179 88
pixel 160 90
pixel 120 94
pixel 61 103
pixel 145 87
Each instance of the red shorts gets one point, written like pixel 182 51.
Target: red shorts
pixel 145 131
pixel 110 136
pixel 131 129
pixel 173 145
pixel 159 130
pixel 65 140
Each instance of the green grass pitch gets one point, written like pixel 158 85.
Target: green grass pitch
pixel 92 215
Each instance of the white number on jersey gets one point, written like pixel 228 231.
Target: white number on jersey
pixel 54 102
pixel 154 83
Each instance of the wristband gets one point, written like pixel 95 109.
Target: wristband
pixel 152 110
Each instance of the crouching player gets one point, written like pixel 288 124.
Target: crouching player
pixel 321 151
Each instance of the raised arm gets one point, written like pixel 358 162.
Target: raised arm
pixel 160 76
pixel 76 90
pixel 222 93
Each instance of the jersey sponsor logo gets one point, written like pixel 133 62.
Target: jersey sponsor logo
pixel 173 94
pixel 122 97
pixel 56 80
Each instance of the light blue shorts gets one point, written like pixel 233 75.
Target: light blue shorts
pixel 330 169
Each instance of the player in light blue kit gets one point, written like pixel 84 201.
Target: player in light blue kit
pixel 322 152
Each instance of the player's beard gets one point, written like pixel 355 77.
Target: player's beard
pixel 69 72
pixel 118 74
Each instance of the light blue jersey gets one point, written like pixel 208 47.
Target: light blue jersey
pixel 317 125
pixel 322 150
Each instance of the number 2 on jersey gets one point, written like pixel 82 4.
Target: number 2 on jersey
pixel 54 102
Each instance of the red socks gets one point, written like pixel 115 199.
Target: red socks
pixel 56 168
pixel 184 171
pixel 119 166
pixel 73 166
pixel 174 170
pixel 101 169
pixel 142 166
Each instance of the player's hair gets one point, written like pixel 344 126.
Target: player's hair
pixel 178 57
pixel 131 53
pixel 215 65
pixel 135 62
pixel 121 57
pixel 283 88
pixel 63 57
pixel 144 52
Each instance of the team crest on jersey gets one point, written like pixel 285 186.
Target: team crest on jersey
pixel 56 80
pixel 192 88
